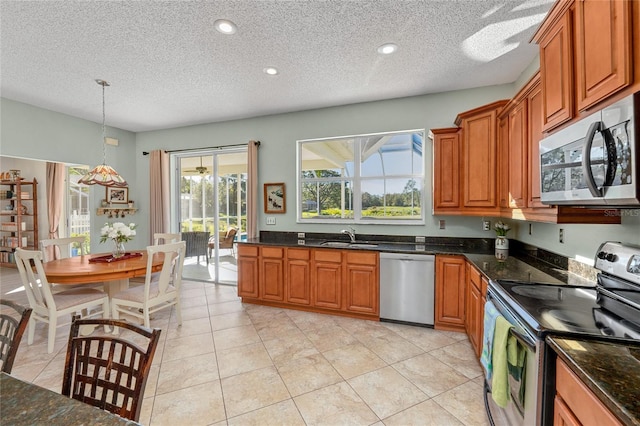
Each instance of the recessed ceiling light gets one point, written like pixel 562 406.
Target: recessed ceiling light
pixel 270 71
pixel 387 48
pixel 225 26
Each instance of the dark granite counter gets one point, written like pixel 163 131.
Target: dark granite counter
pixel 610 370
pixel 24 403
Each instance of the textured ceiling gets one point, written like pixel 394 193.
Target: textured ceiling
pixel 169 67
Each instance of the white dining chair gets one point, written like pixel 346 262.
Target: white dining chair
pixel 64 246
pixel 159 292
pixel 165 238
pixel 49 306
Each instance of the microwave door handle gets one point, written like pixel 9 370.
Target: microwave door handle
pixel 586 159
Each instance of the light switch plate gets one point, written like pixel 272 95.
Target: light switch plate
pixel 442 223
pixel 420 239
pixel 271 220
pixel 486 225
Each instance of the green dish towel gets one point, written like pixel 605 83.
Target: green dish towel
pixel 500 379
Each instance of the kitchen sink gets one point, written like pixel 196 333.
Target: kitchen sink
pixel 344 244
pixel 362 245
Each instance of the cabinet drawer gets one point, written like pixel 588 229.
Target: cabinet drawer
pixel 474 277
pixel 361 258
pixel 296 253
pixel 275 252
pixel 248 251
pixel 327 255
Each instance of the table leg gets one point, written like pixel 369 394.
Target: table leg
pixel 112 288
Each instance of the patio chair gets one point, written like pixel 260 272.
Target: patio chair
pixel 12 326
pixel 109 372
pixel 197 244
pixel 227 242
pixel 49 306
pixel 159 292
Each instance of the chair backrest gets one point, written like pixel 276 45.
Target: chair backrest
pixel 108 371
pixel 64 246
pixel 197 243
pixel 227 242
pixel 171 272
pixel 165 238
pixel 13 322
pixel 35 282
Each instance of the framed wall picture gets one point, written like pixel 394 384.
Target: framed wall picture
pixel 274 198
pixel 117 195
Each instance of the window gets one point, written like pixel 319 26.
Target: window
pixel 373 178
pixel 78 215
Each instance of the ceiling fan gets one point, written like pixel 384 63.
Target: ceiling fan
pixel 198 169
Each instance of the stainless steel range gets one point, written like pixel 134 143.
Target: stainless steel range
pixel 610 310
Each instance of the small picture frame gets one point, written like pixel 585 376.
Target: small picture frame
pixel 274 198
pixel 117 195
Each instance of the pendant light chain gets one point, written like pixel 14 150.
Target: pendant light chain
pixel 104 131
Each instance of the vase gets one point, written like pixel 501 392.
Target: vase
pixel 118 249
pixel 502 248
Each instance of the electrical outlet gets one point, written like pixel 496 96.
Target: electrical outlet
pixel 271 220
pixel 486 225
pixel 442 223
pixel 300 235
pixel 420 247
pixel 301 242
pixel 420 239
pixel 561 236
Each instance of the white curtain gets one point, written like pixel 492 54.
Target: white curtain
pixel 56 176
pixel 252 190
pixel 159 206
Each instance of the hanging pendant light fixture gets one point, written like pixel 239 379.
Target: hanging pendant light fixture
pixel 103 174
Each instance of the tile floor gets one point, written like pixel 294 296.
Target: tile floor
pixel 239 364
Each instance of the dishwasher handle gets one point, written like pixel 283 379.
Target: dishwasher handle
pixel 408 256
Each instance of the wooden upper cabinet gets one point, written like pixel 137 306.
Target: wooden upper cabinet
pixel 479 147
pixel 603 49
pixel 503 163
pixel 535 123
pixel 446 169
pixel 518 139
pixel 556 69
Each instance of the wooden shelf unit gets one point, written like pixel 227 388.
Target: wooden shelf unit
pixel 18 218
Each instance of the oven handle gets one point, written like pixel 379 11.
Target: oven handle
pixel 523 340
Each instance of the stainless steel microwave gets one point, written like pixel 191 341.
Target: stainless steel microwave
pixel 595 161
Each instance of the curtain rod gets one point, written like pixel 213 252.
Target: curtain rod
pixel 205 148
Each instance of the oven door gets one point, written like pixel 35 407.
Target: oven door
pixel 517 413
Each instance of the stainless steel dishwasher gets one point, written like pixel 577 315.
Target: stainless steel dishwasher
pixel 407 287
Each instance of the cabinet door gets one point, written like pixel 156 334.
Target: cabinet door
pixel 534 137
pixel 326 281
pixel 603 49
pixel 272 273
pixel 450 293
pixel 562 415
pixel 518 155
pixel 362 283
pixel 475 308
pixel 298 276
pixel 479 147
pixel 503 155
pixel 446 169
pixel 556 71
pixel 248 267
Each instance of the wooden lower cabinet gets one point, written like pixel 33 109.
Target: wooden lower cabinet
pixel 575 404
pixel 475 308
pixel 450 293
pixel 248 265
pixel 342 282
pixel 362 282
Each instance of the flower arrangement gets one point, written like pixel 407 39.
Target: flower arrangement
pixel 118 232
pixel 501 229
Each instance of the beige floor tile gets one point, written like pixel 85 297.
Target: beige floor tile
pixel 461 357
pixel 185 347
pixel 340 405
pixel 466 403
pixel 310 321
pixel 289 347
pixel 189 328
pixel 386 391
pixel 253 390
pixel 230 320
pixel 189 291
pixel 186 372
pixel 152 381
pixel 354 360
pixel 194 312
pixel 427 413
pixel 242 359
pixel 390 347
pixel 357 326
pixel 283 413
pixel 233 337
pixel 329 338
pixel 429 340
pixel 190 302
pixel 431 375
pixel 225 307
pixel 196 405
pixel 275 327
pixel 302 375
pixel 146 410
pixel 51 377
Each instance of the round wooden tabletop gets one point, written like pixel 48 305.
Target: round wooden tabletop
pixel 78 270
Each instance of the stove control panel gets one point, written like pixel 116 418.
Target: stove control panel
pixel 620 260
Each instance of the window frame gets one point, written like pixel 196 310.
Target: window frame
pixel 356 181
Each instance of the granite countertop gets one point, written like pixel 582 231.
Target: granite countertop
pixel 611 370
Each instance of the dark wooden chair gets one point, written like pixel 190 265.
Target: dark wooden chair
pixel 108 371
pixel 197 244
pixel 228 242
pixel 12 327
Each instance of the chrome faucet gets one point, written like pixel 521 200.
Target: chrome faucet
pixel 351 233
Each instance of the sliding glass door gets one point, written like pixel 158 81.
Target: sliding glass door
pixel 212 213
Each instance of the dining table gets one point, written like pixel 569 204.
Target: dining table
pixel 23 403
